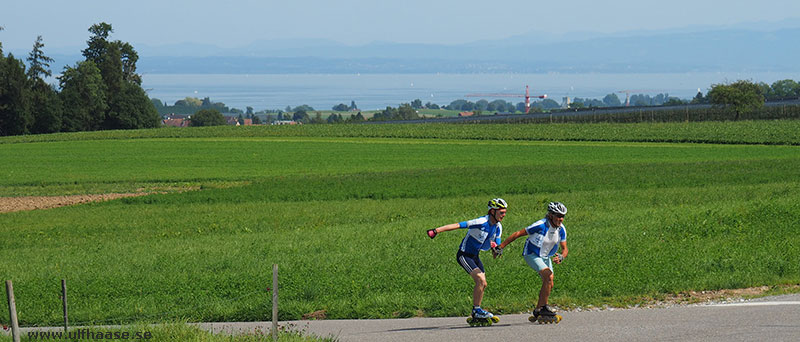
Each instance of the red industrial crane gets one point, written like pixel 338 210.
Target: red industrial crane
pixel 628 93
pixel 527 97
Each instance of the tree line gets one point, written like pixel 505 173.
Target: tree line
pixel 101 92
pixel 190 105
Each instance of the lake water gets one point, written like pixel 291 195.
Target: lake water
pixel 377 91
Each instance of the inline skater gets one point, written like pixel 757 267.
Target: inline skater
pixel 483 234
pixel 541 250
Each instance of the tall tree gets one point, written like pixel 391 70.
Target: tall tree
pixel 127 104
pixel 38 63
pixel 83 95
pixel 132 109
pixel 46 107
pixel 98 42
pixel 15 115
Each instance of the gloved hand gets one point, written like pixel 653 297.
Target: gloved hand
pixel 432 233
pixel 497 252
pixel 558 258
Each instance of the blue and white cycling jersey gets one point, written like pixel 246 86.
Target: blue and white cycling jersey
pixel 480 235
pixel 543 240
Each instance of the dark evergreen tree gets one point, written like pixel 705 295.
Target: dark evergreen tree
pixel 15 114
pixel 46 109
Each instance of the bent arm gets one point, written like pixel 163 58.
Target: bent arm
pixel 559 258
pixel 513 237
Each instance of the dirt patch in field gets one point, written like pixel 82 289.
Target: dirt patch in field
pixel 319 314
pixel 9 204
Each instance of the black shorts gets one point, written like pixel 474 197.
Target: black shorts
pixel 469 262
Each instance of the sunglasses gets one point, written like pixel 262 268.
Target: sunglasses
pixel 558 215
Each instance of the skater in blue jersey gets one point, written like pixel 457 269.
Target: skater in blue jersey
pixel 541 250
pixel 483 233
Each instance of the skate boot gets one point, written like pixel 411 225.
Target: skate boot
pixel 545 315
pixel 481 318
pixel 534 314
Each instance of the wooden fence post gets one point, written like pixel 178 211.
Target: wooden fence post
pixel 64 301
pixel 12 311
pixel 275 302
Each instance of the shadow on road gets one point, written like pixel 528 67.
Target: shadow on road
pixel 453 327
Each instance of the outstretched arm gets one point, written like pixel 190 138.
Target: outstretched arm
pixel 517 234
pixel 432 232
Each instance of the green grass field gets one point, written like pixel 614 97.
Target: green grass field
pixel 343 211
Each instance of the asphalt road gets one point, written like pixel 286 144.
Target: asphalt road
pixel 774 318
pixel 766 319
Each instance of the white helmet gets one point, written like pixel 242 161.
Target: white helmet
pixel 497 203
pixel 557 207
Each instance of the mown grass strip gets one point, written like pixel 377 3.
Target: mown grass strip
pixel 131 164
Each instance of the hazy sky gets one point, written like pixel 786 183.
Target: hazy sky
pixel 234 23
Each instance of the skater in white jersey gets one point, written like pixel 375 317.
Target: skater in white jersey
pixel 541 250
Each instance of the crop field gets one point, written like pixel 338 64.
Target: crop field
pixel 343 209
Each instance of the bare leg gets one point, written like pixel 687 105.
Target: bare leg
pixel 547 285
pixel 480 285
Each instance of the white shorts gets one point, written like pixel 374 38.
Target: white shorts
pixel 538 263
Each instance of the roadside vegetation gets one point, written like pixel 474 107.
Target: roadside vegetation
pixel 654 210
pixel 175 331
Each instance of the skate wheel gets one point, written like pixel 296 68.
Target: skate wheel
pixel 495 319
pixel 469 320
pixel 532 318
pixel 558 318
pixel 546 320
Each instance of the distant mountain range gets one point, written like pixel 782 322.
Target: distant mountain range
pixel 698 50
